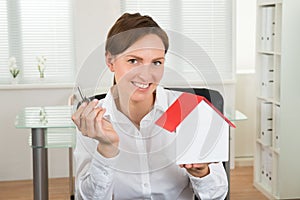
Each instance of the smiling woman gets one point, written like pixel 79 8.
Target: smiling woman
pixel 120 152
pixel 138 71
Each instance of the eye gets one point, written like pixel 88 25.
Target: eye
pixel 157 63
pixel 132 61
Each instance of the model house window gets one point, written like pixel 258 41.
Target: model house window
pixel 32 28
pixel 206 23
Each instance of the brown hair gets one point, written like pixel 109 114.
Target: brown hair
pixel 128 29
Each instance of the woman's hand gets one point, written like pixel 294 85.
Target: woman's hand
pixel 89 120
pixel 198 170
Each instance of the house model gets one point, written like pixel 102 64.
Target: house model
pixel 202 131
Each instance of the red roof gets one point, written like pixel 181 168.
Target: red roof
pixel 181 108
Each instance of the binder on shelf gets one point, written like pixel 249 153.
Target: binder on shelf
pixel 277 78
pixel 267 28
pixel 263 28
pixel 267 66
pixel 277 89
pixel 267 75
pixel 263 166
pixel 269 161
pixel 267 89
pixel 267 137
pixel 266 167
pixel 266 123
pixel 270 28
pixel 277 125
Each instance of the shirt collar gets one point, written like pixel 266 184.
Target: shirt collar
pixel 161 102
pixel 109 104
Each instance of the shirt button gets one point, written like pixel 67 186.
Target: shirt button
pixel 146 185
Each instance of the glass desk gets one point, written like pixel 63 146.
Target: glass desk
pixel 51 127
pixel 237 116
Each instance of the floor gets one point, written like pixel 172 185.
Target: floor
pixel 241 187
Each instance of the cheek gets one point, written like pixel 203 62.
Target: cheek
pixel 157 74
pixel 120 73
pixel 148 73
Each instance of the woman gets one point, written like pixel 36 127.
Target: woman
pixel 120 152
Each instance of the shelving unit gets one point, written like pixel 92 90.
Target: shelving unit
pixel 277 145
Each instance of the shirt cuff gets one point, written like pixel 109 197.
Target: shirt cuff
pixel 102 169
pixel 101 160
pixel 205 182
pixel 216 177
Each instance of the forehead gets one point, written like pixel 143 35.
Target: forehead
pixel 147 42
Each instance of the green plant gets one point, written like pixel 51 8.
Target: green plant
pixel 14 72
pixel 41 65
pixel 13 68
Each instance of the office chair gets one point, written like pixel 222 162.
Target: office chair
pixel 212 96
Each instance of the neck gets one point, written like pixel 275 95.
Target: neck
pixel 135 111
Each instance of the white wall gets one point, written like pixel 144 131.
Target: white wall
pixel 245 80
pixel 245 131
pixel 245 37
pixel 92 21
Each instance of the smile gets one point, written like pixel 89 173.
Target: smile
pixel 140 85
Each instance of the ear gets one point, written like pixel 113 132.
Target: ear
pixel 109 61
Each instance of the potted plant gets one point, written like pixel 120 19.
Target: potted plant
pixel 13 68
pixel 41 65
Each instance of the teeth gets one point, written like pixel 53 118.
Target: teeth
pixel 140 85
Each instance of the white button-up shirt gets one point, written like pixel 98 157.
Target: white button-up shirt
pixel 145 167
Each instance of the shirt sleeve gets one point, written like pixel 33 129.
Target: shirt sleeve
pixel 94 173
pixel 213 186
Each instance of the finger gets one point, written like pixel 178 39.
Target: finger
pixel 99 120
pixel 90 122
pixel 106 125
pixel 188 166
pixel 89 108
pixel 199 165
pixel 103 126
pixel 83 117
pixel 83 123
pixel 77 114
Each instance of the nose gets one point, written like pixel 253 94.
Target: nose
pixel 149 73
pixel 144 72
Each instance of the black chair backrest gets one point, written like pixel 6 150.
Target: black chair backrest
pixel 212 96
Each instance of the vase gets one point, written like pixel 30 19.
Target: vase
pixel 42 75
pixel 14 81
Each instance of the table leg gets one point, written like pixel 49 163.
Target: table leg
pixel 40 164
pixel 71 182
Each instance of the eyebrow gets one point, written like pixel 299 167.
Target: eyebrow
pixel 139 58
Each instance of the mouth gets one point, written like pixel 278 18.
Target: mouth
pixel 141 85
